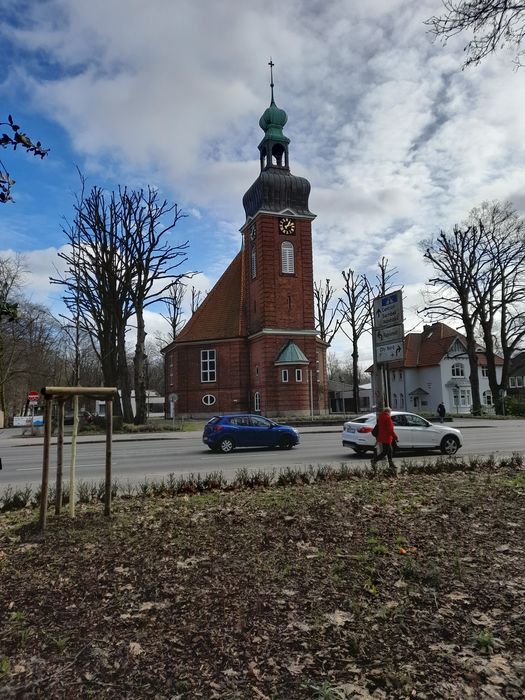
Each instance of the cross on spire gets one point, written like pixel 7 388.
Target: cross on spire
pixel 271 64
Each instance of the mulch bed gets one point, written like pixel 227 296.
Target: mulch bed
pixel 371 588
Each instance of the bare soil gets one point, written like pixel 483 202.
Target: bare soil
pixel 371 588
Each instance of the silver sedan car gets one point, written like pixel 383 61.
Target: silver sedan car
pixel 414 433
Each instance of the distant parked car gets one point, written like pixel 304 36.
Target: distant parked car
pixel 83 417
pixel 225 433
pixel 414 433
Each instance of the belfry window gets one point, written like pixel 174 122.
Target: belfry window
pixel 287 258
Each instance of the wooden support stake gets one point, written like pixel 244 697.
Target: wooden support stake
pixel 60 458
pixel 109 434
pixel 72 463
pixel 45 465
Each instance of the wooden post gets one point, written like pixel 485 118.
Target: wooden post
pixel 45 465
pixel 60 457
pixel 72 463
pixel 109 433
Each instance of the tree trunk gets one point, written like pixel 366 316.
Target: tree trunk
pixel 138 362
pixel 124 382
pixel 473 361
pixel 355 373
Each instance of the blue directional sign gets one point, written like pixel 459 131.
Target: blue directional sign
pixel 388 310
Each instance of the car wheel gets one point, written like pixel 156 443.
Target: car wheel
pixel 359 450
pixel 285 443
pixel 226 445
pixel 449 445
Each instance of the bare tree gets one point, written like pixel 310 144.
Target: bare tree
pixel 327 317
pixel 355 305
pixel 384 278
pixel 196 299
pixel 499 288
pixel 146 222
pixel 174 312
pixel 495 24
pixel 456 260
pixel 96 285
pixel 13 140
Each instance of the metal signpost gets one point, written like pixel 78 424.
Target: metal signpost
pixel 388 334
pixel 32 399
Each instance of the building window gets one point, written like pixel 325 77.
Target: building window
pixel 284 375
pixel 287 258
pixel 484 371
pixel 208 366
pixel 208 400
pixel 400 374
pixel 395 400
pixel 256 370
pixel 487 398
pixel 512 382
pixel 401 401
pixel 458 370
pixel 519 382
pixel 256 401
pixel 254 262
pixel 298 375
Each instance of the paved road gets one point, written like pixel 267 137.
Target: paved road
pixel 155 456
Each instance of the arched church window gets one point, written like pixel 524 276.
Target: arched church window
pixel 256 401
pixel 287 258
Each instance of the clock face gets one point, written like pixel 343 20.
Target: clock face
pixel 287 226
pixel 253 232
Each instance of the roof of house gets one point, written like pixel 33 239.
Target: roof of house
pixel 219 316
pixel 428 348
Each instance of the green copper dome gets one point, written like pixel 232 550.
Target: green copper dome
pixel 272 122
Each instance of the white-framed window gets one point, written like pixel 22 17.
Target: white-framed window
pixel 253 259
pixel 287 258
pixel 484 371
pixel 519 382
pixel 284 375
pixel 487 398
pixel 298 375
pixel 208 366
pixel 395 400
pixel 256 401
pixel 458 370
pixel 462 398
pixel 208 399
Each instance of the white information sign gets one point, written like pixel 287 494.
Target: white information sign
pixel 390 352
pixel 389 334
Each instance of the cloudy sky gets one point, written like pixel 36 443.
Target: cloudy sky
pixel 396 140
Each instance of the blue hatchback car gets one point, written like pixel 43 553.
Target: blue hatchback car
pixel 225 433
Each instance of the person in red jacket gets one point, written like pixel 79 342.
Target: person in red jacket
pixel 385 435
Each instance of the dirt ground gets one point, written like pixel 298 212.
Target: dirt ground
pixel 371 588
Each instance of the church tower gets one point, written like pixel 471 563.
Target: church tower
pixel 287 372
pixel 252 344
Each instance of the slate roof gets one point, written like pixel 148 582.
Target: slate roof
pixel 220 315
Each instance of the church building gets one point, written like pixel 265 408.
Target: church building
pixel 252 344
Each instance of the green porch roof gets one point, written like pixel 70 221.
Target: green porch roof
pixel 291 354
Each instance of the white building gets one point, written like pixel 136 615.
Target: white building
pixel 436 369
pixel 154 405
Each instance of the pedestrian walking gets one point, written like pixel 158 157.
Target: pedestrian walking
pixel 385 436
pixel 441 411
